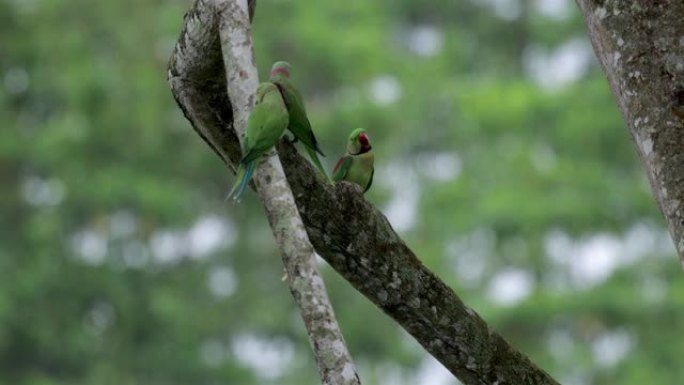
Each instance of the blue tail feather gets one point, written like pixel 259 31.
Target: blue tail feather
pixel 239 175
pixel 241 184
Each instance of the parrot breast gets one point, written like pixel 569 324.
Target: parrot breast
pixel 361 169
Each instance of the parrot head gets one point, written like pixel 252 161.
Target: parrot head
pixel 263 89
pixel 281 67
pixel 359 142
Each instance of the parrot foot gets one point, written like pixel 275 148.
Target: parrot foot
pixel 293 140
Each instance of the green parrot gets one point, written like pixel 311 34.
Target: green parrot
pixel 265 125
pixel 357 165
pixel 299 123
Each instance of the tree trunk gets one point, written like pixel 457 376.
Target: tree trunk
pixel 640 45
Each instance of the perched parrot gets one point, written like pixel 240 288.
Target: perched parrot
pixel 299 123
pixel 357 165
pixel 265 125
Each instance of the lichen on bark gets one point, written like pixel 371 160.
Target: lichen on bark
pixel 640 45
pixel 349 233
pixel 219 31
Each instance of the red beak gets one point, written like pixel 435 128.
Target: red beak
pixel 281 70
pixel 363 139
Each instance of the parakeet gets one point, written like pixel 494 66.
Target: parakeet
pixel 299 123
pixel 265 125
pixel 357 165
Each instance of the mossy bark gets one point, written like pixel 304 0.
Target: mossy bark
pixel 346 230
pixel 212 73
pixel 640 45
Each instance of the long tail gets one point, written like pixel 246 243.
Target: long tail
pixel 242 177
pixel 317 162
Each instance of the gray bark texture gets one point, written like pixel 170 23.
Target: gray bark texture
pixel 640 45
pixel 235 60
pixel 346 230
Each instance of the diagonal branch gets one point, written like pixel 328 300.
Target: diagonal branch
pixel 349 233
pixel 220 29
pixel 640 46
pixel 335 364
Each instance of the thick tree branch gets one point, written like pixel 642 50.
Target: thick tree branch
pixel 640 45
pixel 220 29
pixel 352 235
pixel 335 364
pixel 359 243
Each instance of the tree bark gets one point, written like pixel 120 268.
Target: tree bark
pixel 235 60
pixel 640 45
pixel 347 231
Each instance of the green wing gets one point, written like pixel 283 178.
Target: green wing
pixel 370 181
pixel 299 122
pixel 265 125
pixel 342 167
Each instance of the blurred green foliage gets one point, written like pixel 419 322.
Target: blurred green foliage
pixel 501 158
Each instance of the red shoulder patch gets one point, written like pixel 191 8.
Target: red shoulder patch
pixel 339 163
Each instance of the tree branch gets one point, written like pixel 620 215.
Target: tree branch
pixel 214 31
pixel 640 46
pixel 306 285
pixel 352 235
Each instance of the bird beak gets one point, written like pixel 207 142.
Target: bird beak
pixel 363 139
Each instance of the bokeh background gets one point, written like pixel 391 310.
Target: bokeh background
pixel 501 159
